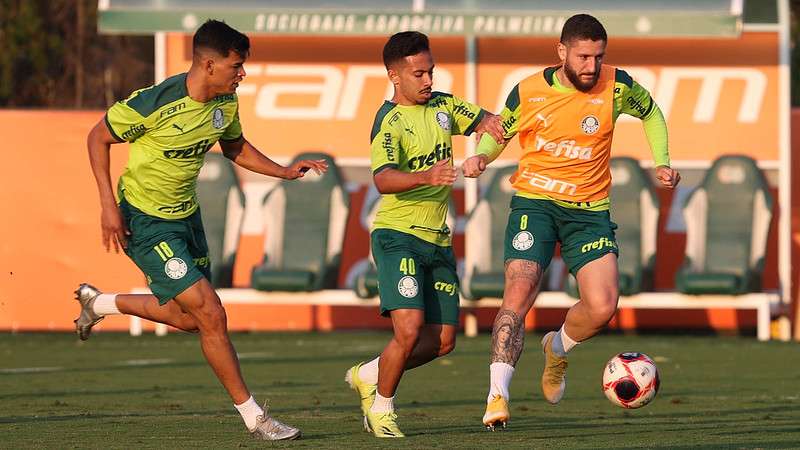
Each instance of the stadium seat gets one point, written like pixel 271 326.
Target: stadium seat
pixel 727 225
pixel 635 209
pixel 366 283
pixel 485 232
pixel 222 206
pixel 305 224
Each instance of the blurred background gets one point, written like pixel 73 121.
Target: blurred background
pixel 718 254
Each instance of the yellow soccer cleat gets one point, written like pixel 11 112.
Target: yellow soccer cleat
pixel 384 424
pixel 365 391
pixel 554 376
pixel 496 413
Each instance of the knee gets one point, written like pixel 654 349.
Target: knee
pixel 188 324
pixel 603 309
pixel 407 335
pixel 211 316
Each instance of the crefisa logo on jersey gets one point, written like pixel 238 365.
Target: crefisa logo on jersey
pixel 522 241
pixel 407 287
pixel 590 124
pixel 217 118
pixel 443 120
pixel 175 268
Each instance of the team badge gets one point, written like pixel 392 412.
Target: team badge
pixel 217 118
pixel 590 124
pixel 522 241
pixel 443 120
pixel 175 268
pixel 407 287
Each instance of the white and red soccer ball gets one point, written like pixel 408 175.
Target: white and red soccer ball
pixel 630 380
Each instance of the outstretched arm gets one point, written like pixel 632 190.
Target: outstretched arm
pixel 112 225
pixel 244 154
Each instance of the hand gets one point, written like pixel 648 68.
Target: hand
pixel 441 174
pixel 668 176
pixel 114 229
pixel 474 165
pixel 299 169
pixel 492 124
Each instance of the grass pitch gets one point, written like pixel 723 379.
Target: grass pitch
pixel 116 391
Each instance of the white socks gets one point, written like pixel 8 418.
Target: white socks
pixel 105 304
pixel 368 372
pixel 249 411
pixel 562 343
pixel 499 379
pixel 382 404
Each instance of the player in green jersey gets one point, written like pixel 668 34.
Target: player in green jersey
pixel 170 127
pixel 412 167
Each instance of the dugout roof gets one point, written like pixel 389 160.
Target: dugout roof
pixel 632 18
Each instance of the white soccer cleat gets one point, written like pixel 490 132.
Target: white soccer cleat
pixel 86 294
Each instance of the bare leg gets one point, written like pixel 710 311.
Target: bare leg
pixel 201 302
pixel 407 324
pixel 522 280
pixel 435 340
pixel 598 284
pixel 146 306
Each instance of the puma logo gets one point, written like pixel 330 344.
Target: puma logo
pixel 545 120
pixel 175 125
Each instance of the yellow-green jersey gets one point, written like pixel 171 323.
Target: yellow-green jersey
pixel 412 139
pixel 169 135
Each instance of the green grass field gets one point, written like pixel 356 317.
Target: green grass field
pixel 115 391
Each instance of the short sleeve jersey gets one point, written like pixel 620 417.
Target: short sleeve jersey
pixel 169 135
pixel 412 139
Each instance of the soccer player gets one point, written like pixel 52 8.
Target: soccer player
pixel 157 222
pixel 565 118
pixel 413 169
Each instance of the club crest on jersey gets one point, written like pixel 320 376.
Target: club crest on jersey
pixel 522 241
pixel 443 120
pixel 590 124
pixel 175 268
pixel 407 287
pixel 217 118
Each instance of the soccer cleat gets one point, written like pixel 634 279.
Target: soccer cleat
pixel 384 424
pixel 496 413
pixel 554 376
pixel 86 295
pixel 270 429
pixel 365 391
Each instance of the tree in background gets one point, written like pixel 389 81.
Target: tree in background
pixel 52 56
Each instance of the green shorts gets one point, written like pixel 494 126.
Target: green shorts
pixel 406 263
pixel 172 253
pixel 535 225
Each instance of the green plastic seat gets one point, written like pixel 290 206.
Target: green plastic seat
pixel 485 231
pixel 635 209
pixel 727 226
pixel 305 221
pixel 366 282
pixel 222 207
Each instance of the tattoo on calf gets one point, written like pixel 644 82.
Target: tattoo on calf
pixel 508 337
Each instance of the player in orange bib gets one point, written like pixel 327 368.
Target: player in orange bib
pixel 565 119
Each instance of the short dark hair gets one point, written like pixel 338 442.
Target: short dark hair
pixel 583 26
pixel 220 37
pixel 405 43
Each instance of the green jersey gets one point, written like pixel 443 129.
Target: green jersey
pixel 169 135
pixel 412 139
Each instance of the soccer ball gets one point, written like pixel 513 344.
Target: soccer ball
pixel 630 380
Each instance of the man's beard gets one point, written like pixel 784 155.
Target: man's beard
pixel 582 86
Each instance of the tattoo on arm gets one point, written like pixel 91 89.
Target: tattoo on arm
pixel 508 337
